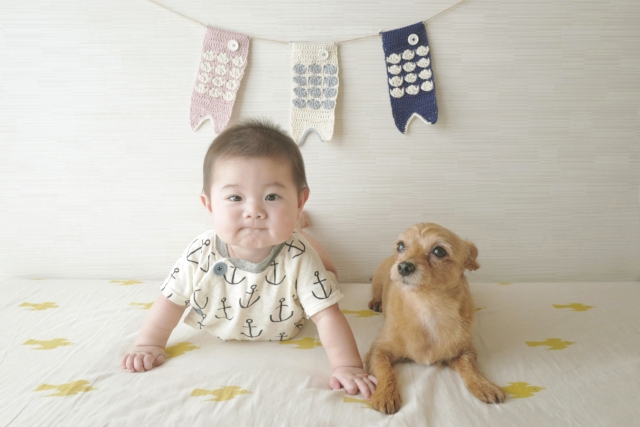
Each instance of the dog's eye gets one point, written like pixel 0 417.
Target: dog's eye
pixel 400 246
pixel 439 252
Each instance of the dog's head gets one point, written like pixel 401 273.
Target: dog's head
pixel 430 255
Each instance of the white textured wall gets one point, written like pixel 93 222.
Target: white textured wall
pixel 535 157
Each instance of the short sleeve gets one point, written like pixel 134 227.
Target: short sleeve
pixel 317 287
pixel 189 269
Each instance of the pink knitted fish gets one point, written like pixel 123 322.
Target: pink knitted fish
pixel 224 58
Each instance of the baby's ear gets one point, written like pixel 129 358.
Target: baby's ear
pixel 205 202
pixel 470 263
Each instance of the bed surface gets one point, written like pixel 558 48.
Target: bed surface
pixel 565 353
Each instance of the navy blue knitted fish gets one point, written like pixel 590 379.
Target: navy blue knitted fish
pixel 412 89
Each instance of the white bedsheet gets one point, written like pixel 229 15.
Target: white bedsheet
pixel 566 353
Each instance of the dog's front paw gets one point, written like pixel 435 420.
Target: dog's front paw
pixel 387 401
pixel 375 305
pixel 488 392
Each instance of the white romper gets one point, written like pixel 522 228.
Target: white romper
pixel 239 300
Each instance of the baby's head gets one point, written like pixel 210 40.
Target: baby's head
pixel 254 139
pixel 255 186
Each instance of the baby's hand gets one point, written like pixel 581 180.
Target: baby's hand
pixel 143 358
pixel 353 380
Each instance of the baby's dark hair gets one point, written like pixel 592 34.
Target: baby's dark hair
pixel 254 138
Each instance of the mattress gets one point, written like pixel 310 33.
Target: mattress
pixel 565 353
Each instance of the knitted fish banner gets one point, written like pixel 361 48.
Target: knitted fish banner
pixel 412 89
pixel 315 89
pixel 224 59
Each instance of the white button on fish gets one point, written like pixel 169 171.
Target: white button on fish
pixel 232 45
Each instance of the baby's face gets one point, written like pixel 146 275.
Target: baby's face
pixel 254 202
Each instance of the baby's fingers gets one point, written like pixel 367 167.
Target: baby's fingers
pixel 335 383
pixel 350 385
pixel 128 362
pixel 147 361
pixel 153 360
pixel 123 363
pixel 138 363
pixel 365 386
pixel 373 379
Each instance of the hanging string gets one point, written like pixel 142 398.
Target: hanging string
pixel 285 42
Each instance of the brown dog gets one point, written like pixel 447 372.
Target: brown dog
pixel 428 312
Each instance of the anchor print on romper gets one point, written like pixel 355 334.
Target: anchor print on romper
pixel 170 278
pixel 249 303
pixel 249 322
pixel 280 307
pixel 292 246
pixel 224 310
pixel 282 336
pixel 324 291
pixel 275 275
pixel 204 243
pixel 233 277
pixel 198 309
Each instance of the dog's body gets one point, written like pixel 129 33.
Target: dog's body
pixel 428 312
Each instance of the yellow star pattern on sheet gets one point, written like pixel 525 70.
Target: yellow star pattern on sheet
pixel 69 389
pixel 361 313
pixel 40 306
pixel 127 282
pixel 305 343
pixel 348 399
pixel 521 389
pixel 143 305
pixel 48 345
pixel 221 394
pixel 553 343
pixel 575 306
pixel 179 349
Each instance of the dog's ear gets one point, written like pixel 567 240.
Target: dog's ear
pixel 470 263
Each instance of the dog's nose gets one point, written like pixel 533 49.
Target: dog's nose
pixel 406 268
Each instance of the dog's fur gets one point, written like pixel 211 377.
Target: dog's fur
pixel 428 312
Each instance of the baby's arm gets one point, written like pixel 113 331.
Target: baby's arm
pixel 327 261
pixel 148 352
pixel 340 345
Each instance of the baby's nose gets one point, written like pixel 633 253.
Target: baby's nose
pixel 406 268
pixel 254 210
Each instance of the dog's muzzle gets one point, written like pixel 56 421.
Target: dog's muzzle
pixel 406 268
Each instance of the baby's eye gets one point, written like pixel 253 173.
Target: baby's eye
pixel 234 198
pixel 400 246
pixel 272 197
pixel 439 252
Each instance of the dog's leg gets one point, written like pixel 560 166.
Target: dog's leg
pixel 376 301
pixel 386 398
pixel 481 387
pixel 378 282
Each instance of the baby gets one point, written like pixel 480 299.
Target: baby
pixel 256 275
